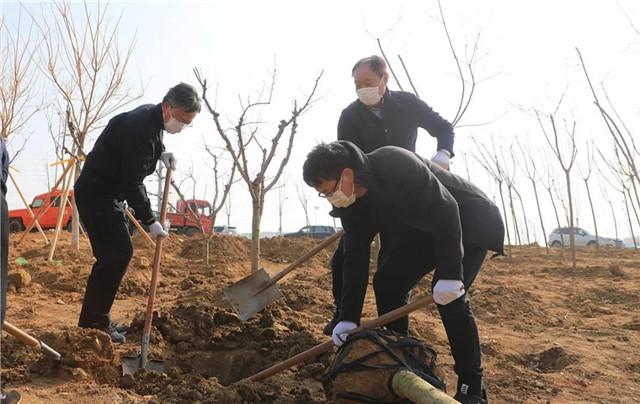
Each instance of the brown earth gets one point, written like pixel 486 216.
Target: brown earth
pixel 549 333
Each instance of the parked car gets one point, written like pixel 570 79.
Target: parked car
pixel 226 230
pixel 313 232
pixel 560 237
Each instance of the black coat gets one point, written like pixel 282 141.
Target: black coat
pixel 125 153
pixel 402 114
pixel 4 166
pixel 413 194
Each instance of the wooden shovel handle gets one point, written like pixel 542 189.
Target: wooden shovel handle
pixel 156 267
pixel 138 226
pixel 325 243
pixel 29 340
pixel 327 346
pixel 20 335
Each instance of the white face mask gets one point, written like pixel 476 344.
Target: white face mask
pixel 173 125
pixel 369 96
pixel 339 199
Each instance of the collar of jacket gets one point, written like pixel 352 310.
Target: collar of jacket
pixel 157 116
pixel 363 173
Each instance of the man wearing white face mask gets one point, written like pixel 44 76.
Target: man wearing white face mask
pixel 127 151
pixel 381 117
pixel 428 219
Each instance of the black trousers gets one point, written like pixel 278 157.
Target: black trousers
pixel 4 257
pixel 104 222
pixel 401 265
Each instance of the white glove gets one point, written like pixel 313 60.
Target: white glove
pixel 447 290
pixel 442 158
pixel 157 230
pixel 169 160
pixel 341 331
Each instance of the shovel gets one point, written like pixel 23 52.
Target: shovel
pixel 29 340
pixel 256 291
pixel 327 346
pixel 131 364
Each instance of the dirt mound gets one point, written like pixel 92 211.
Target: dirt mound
pixel 550 360
pixel 285 250
pixel 16 358
pixel 222 248
pixel 86 353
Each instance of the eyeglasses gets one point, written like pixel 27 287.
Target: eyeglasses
pixel 323 195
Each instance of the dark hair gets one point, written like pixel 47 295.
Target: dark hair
pixel 375 62
pixel 183 96
pixel 325 162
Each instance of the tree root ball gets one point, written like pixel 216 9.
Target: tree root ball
pixel 372 379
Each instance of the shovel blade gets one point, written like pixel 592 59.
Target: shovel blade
pixel 243 298
pixel 131 364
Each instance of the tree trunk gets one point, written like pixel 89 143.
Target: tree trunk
pixel 633 207
pixel 255 232
pixel 75 216
pixel 513 215
pixel 208 237
pixel 572 236
pixel 626 205
pixel 635 191
pixel 613 215
pixel 63 203
pixel 408 385
pixel 555 210
pixel 524 217
pixel 593 213
pixel 504 213
pixel 306 215
pixel 544 233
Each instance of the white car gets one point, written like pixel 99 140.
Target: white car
pixel 560 237
pixel 226 230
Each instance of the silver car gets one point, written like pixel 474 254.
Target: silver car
pixel 560 237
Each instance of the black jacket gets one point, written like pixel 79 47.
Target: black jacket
pixel 415 196
pixel 4 166
pixel 402 114
pixel 125 153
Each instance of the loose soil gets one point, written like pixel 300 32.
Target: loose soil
pixel 549 333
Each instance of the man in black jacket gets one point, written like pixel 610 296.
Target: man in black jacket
pixel 5 396
pixel 126 152
pixel 380 117
pixel 428 219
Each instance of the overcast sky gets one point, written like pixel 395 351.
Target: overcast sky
pixel 527 60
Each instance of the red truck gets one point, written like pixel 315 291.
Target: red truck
pixel 183 221
pixel 20 219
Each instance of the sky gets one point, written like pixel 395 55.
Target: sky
pixel 526 61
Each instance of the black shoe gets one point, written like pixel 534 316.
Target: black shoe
pixel 10 397
pixel 117 337
pixel 465 396
pixel 121 328
pixel 328 328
